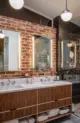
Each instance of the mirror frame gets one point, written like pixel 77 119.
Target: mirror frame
pixel 62 65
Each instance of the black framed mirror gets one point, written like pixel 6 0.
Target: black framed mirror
pixel 68 54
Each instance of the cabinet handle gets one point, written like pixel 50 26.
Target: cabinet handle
pixel 56 100
pixel 13 110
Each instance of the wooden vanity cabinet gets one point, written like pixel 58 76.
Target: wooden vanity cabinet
pixel 14 114
pixel 55 97
pixel 44 95
pixel 17 104
pixel 32 102
pixel 54 93
pixel 63 92
pixel 14 100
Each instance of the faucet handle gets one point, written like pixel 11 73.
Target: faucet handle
pixel 2 84
pixel 41 80
pixel 29 80
pixel 13 82
pixel 48 79
pixel 8 83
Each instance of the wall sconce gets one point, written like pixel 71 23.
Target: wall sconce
pixel 2 35
pixel 69 44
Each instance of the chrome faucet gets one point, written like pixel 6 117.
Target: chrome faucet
pixel 8 82
pixel 41 80
pixel 13 83
pixel 29 81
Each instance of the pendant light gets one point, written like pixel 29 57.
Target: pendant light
pixel 16 4
pixel 2 35
pixel 66 14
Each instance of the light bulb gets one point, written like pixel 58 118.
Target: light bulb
pixel 16 4
pixel 69 44
pixel 66 15
pixel 2 35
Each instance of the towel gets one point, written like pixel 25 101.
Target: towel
pixel 53 115
pixel 23 121
pixel 53 112
pixel 31 120
pixel 42 117
pixel 63 111
pixel 12 121
pixel 77 106
pixel 73 108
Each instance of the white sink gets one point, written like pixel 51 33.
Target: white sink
pixel 10 87
pixel 35 85
pixel 49 82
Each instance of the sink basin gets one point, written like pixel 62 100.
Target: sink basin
pixel 10 87
pixel 48 82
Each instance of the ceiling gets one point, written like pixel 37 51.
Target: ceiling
pixel 53 8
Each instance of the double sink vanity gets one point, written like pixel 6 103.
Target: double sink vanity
pixel 20 84
pixel 22 97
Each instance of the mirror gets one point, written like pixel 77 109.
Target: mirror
pixel 42 53
pixel 10 51
pixel 68 54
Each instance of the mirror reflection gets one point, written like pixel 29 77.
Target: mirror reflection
pixel 9 51
pixel 42 49
pixel 68 52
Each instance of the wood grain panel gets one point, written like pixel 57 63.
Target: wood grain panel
pixel 53 105
pixel 62 103
pixel 25 103
pixel 16 100
pixel 54 94
pixel 44 95
pixel 63 92
pixel 46 107
pixel 17 114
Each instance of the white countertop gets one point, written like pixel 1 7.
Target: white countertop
pixel 36 85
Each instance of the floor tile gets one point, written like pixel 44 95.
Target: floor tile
pixel 73 119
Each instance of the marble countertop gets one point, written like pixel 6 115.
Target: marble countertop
pixel 36 85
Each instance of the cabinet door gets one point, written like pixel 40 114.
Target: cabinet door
pixel 54 93
pixel 14 114
pixel 16 100
pixel 63 92
pixel 62 103
pixel 45 107
pixel 44 95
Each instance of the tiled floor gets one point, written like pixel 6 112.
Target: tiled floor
pixel 73 119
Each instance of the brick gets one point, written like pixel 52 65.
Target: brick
pixel 27 30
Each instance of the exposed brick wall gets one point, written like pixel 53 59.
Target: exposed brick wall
pixel 27 30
